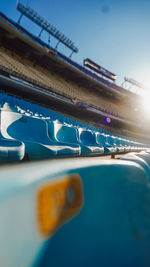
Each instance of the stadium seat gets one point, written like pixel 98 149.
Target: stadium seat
pixel 34 133
pixel 101 139
pixel 88 143
pixel 112 141
pixel 130 146
pixel 118 144
pixel 64 136
pixel 111 229
pixel 115 217
pixel 145 156
pixel 11 150
pixel 137 158
pixel 127 146
pixel 74 137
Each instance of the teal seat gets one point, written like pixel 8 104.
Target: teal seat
pixel 118 144
pixel 141 160
pixel 34 133
pixel 114 218
pixel 131 146
pixel 87 140
pixel 111 229
pixel 145 156
pixel 81 139
pixel 102 140
pixel 64 136
pixel 124 144
pixel 61 133
pixel 11 150
pixel 113 142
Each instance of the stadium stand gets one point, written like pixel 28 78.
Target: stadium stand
pixel 57 84
pixel 48 134
pixel 52 122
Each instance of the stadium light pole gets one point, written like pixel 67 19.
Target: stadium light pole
pixel 33 16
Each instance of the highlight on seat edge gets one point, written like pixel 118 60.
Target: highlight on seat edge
pixel 74 133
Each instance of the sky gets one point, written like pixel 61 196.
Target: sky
pixel 113 33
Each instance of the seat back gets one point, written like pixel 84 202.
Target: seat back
pixel 66 134
pixel 110 140
pixel 115 215
pixel 59 133
pixel 87 137
pixel 117 141
pixel 100 139
pixel 24 128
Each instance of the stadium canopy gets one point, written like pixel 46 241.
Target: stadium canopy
pixel 45 25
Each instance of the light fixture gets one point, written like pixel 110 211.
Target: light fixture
pixel 31 14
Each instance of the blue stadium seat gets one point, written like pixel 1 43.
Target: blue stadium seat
pixel 101 139
pixel 142 158
pixel 34 133
pixel 88 143
pixel 111 229
pixel 82 139
pixel 127 145
pixel 11 150
pixel 137 158
pixel 64 136
pixel 115 217
pixel 145 156
pixel 112 141
pixel 118 144
pixel 130 145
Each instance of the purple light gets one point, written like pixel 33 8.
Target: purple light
pixel 107 120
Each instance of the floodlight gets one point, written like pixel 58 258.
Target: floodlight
pixel 31 14
pixel 134 82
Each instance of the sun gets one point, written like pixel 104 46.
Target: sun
pixel 142 75
pixel 145 102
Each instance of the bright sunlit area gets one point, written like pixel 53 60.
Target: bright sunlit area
pixel 142 74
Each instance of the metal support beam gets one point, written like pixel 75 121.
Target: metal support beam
pixel 57 44
pixel 71 54
pixel 20 18
pixel 41 32
pixel 49 40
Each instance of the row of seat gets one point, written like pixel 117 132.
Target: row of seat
pixel 47 138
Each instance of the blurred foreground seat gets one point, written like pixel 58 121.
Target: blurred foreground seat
pixel 111 201
pixel 142 158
